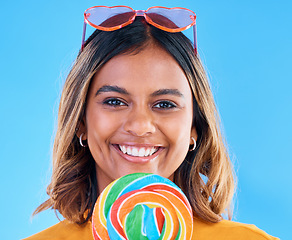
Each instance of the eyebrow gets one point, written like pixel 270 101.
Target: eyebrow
pixel 108 88
pixel 165 91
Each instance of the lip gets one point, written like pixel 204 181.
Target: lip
pixel 138 159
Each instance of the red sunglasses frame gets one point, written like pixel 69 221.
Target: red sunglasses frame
pixel 142 13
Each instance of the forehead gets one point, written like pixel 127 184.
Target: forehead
pixel 150 69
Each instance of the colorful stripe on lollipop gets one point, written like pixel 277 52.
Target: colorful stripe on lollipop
pixel 142 206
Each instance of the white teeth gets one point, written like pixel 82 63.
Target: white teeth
pixel 135 152
pixel 147 152
pixel 138 152
pixel 152 151
pixel 129 151
pixel 123 148
pixel 142 152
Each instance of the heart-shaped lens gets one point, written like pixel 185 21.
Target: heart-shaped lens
pixel 109 18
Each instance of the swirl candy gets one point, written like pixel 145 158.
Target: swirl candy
pixel 142 206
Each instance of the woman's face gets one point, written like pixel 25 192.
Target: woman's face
pixel 139 116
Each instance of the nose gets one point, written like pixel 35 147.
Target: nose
pixel 140 122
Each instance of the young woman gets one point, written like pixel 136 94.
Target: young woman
pixel 138 100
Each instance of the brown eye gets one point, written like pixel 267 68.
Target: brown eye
pixel 115 102
pixel 165 105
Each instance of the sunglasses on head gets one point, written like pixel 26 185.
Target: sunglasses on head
pixel 167 19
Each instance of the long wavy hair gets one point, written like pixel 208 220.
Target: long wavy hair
pixel 206 174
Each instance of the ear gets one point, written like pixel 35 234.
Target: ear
pixel 194 133
pixel 81 128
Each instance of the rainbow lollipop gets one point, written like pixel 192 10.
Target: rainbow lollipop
pixel 142 206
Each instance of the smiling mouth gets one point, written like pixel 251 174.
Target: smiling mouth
pixel 138 151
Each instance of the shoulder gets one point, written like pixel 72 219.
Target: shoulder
pixel 228 230
pixel 64 231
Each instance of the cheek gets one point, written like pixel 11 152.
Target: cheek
pixel 178 129
pixel 101 126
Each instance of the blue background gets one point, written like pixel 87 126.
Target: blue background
pixel 246 48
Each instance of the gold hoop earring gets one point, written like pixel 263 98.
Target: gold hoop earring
pixel 80 140
pixel 194 145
